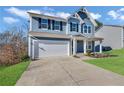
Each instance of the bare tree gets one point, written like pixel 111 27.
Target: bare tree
pixel 13 47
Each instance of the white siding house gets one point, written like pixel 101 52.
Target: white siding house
pixel 55 36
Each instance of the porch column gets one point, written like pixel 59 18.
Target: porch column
pixel 100 46
pixel 85 46
pixel 74 46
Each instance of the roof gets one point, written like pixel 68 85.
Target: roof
pixel 87 13
pixel 88 38
pixel 47 16
pixel 114 25
pixel 62 36
pixel 63 19
pixel 50 35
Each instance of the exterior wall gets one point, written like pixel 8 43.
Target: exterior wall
pixel 66 27
pixel 35 28
pixel 88 22
pixel 112 36
pixel 73 20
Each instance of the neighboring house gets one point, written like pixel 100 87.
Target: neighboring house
pixel 55 36
pixel 113 36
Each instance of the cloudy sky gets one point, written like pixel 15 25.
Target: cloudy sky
pixel 10 16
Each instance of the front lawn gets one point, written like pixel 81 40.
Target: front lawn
pixel 115 64
pixel 10 74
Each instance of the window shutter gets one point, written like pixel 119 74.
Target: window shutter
pixel 70 26
pixel 49 24
pixel 39 22
pixel 82 28
pixel 53 24
pixel 61 26
pixel 77 27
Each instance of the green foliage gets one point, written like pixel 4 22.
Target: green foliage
pixel 99 24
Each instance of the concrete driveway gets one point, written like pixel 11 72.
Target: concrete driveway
pixel 67 71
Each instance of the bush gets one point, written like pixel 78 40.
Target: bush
pixel 9 55
pixel 89 53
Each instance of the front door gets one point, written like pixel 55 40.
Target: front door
pixel 80 46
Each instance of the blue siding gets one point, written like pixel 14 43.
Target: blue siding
pixel 35 27
pixel 64 28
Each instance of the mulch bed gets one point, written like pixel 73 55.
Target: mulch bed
pixel 98 55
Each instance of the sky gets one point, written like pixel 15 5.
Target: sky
pixel 13 15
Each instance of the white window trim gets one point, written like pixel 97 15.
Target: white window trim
pixel 56 25
pixel 75 27
pixel 45 24
pixel 87 29
pixel 90 45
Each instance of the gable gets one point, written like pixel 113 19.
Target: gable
pixel 84 14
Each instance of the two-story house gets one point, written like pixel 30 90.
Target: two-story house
pixel 113 36
pixel 55 36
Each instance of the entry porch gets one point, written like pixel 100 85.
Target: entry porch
pixel 84 44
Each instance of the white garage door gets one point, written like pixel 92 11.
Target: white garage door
pixel 52 48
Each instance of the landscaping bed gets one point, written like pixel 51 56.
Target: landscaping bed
pixel 101 55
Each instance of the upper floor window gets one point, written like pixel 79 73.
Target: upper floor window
pixel 44 23
pixel 73 27
pixel 87 29
pixel 56 25
pixel 82 14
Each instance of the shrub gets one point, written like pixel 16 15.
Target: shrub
pixel 89 53
pixel 9 55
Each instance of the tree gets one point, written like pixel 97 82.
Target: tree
pixel 99 24
pixel 13 47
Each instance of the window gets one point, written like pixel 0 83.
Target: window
pixel 82 15
pixel 87 29
pixel 74 27
pixel 89 45
pixel 56 25
pixel 44 23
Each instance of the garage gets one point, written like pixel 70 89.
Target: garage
pixel 48 48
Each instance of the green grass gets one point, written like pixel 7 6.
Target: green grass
pixel 114 64
pixel 10 74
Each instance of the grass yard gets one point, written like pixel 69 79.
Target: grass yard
pixel 10 74
pixel 114 64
